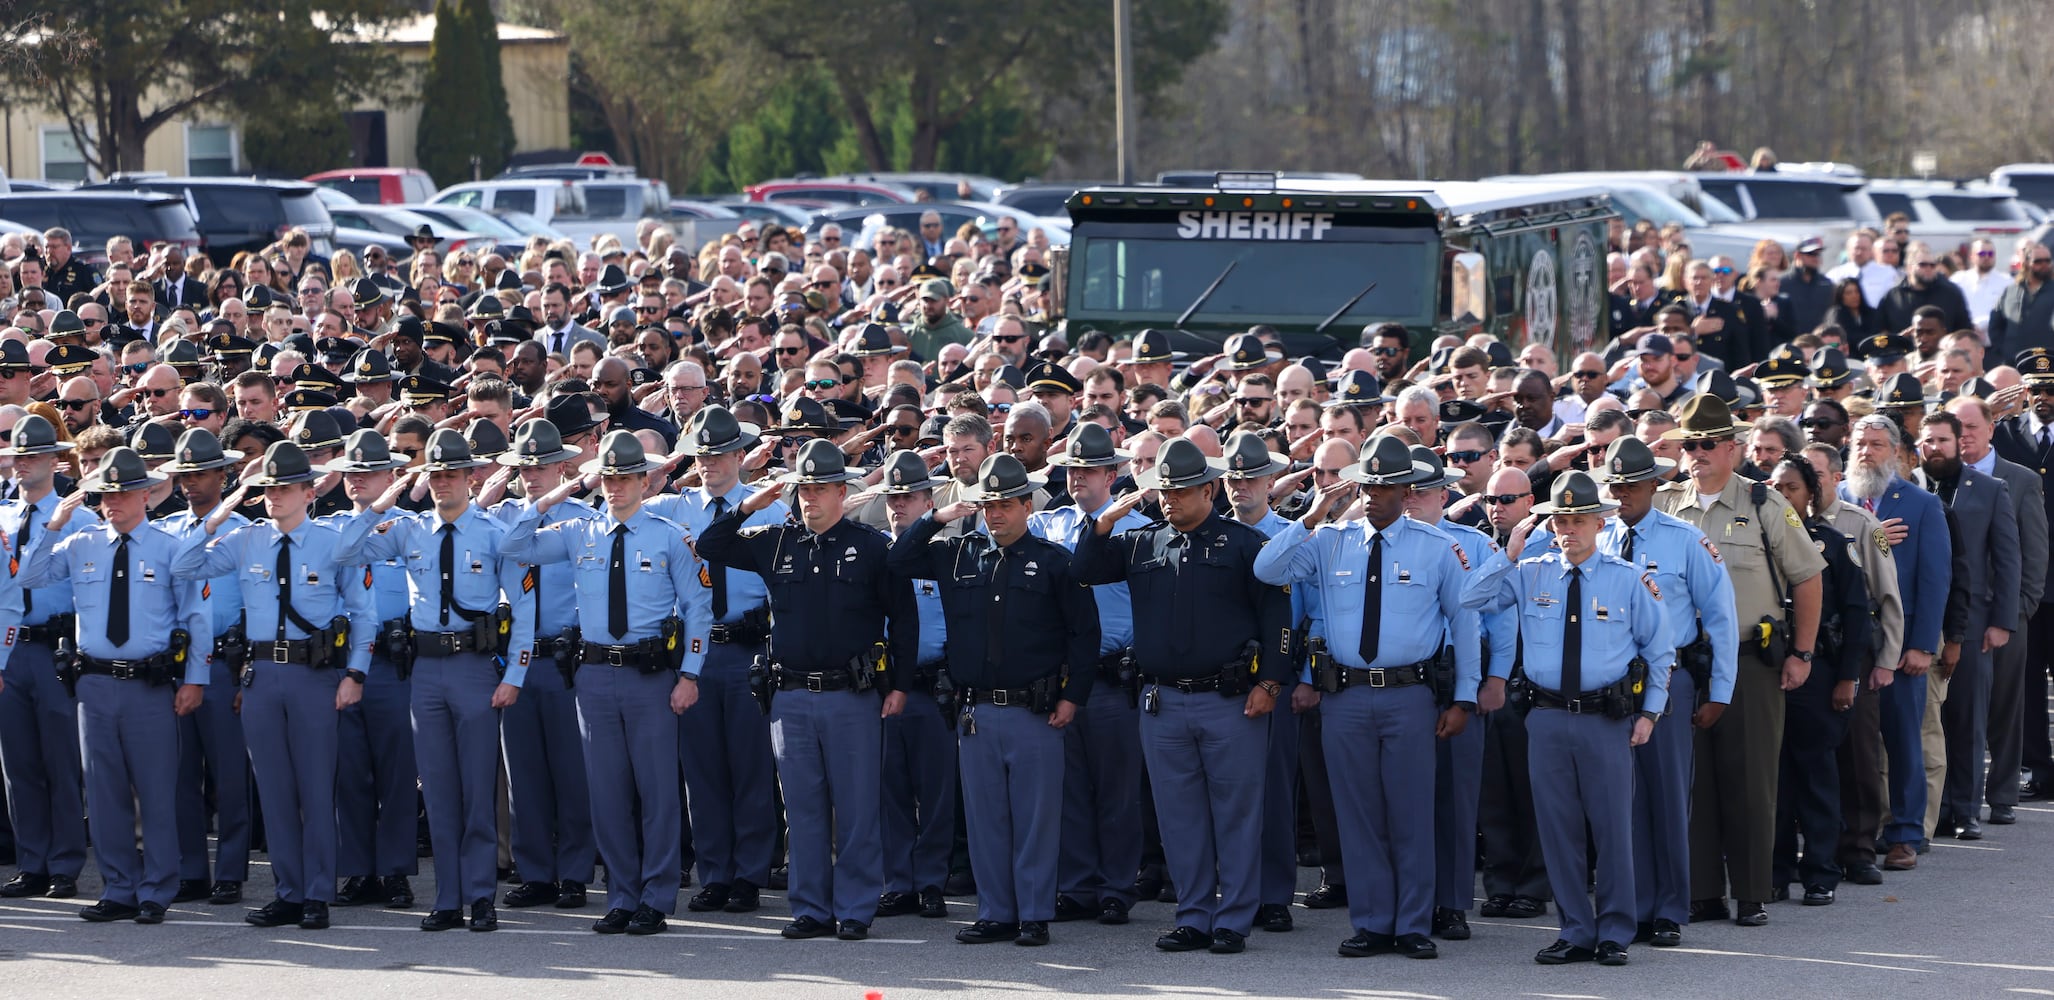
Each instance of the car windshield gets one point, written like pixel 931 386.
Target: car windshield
pixel 2035 188
pixel 1151 277
pixel 1637 203
pixel 1970 208
pixel 472 220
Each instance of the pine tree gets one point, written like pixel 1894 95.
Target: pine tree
pixel 494 125
pixel 447 138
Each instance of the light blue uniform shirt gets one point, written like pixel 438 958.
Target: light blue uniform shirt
pixel 53 597
pixel 482 576
pixel 694 509
pixel 1422 579
pixel 1500 629
pixel 223 591
pixel 662 576
pixel 1620 615
pixel 934 631
pixel 157 603
pixel 321 586
pixel 1064 526
pixel 386 579
pixel 543 587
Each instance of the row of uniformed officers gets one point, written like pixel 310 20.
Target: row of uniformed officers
pixel 1047 657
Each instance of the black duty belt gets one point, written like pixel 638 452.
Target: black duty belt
pixel 283 651
pixel 818 681
pixel 1384 677
pixel 1188 685
pixel 741 633
pixel 1587 703
pixel 58 627
pixel 999 697
pixel 153 668
pixel 444 643
pixel 634 654
pixel 1110 664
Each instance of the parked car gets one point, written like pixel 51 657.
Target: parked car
pixel 506 240
pixel 858 193
pixel 581 210
pixel 378 185
pixel 864 223
pixel 94 217
pixel 356 241
pixel 936 186
pixel 1043 199
pixel 1796 203
pixel 238 214
pixel 1947 215
pixel 400 222
pixel 1658 197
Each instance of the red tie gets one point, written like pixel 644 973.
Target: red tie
pixel 1870 503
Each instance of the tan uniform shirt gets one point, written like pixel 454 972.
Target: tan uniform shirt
pixel 1879 571
pixel 1747 540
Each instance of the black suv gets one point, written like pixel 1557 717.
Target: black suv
pixel 237 214
pixel 93 217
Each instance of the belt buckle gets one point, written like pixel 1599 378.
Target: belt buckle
pixel 816 683
pixel 718 633
pixel 1376 677
pixel 616 656
pixel 281 652
pixel 1000 698
pixel 1574 705
pixel 121 670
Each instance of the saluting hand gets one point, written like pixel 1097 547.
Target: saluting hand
pixel 1120 508
pixel 760 500
pixel 392 493
pixel 959 509
pixel 65 508
pixel 1328 496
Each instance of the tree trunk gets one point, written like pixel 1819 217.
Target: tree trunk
pixel 924 95
pixel 864 123
pixel 1575 133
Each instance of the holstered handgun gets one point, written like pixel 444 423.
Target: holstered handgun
pixel 1696 659
pixel 65 659
pixel 396 640
pixel 947 696
pixel 1623 697
pixel 568 643
pixel 761 685
pixel 181 648
pixel 232 649
pixel 1441 677
pixel 1326 674
pixel 1239 676
pixel 670 634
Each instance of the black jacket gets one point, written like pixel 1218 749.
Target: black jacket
pixel 1811 294
pixel 2021 319
pixel 1901 302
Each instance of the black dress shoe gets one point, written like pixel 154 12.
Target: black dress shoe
pixel 442 920
pixel 1780 894
pixel 615 922
pixel 1308 857
pixel 570 895
pixel 1112 911
pixel 150 913
pixel 741 897
pixel 1863 874
pixel 932 905
pixel 1667 934
pixel 1495 905
pixel 807 927
pixel 1326 897
pixel 1147 887
pixel 531 894
pixel 1643 932
pixel 276 913
pixel 959 884
pixel 1226 942
pixel 1033 934
pixel 1184 939
pixel 647 920
pixel 24 885
pixel 1818 895
pixel 1168 893
pixel 1416 946
pixel 1747 913
pixel 1068 909
pixel 1611 953
pixel 62 887
pixel 899 904
pixel 1564 953
pixel 2003 816
pixel 399 893
pixel 685 875
pixel 483 916
pixel 2035 790
pixel 988 932
pixel 1273 917
pixel 314 915
pixel 1707 910
pixel 509 873
pixel 224 894
pixel 1526 907
pixel 781 877
pixel 357 890
pixel 1451 924
pixel 108 911
pixel 852 930
pixel 189 890
pixel 710 897
pixel 1971 830
pixel 1364 944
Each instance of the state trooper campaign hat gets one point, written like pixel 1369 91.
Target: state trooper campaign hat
pixel 820 461
pixel 284 465
pixel 804 415
pixel 34 435
pixel 1903 392
pixel 155 442
pixel 1575 493
pixel 370 365
pixel 485 438
pixel 1717 383
pixel 715 431
pixel 14 356
pixel 1883 348
pixel 1629 460
pixel 365 451
pixel 1180 466
pixel 906 472
pixel 1151 347
pixel 620 454
pixel 536 443
pixel 1089 447
pixel 66 324
pixel 1437 475
pixel 1356 388
pixel 317 430
pixel 1830 370
pixel 571 415
pixel 447 451
pixel 121 471
pixel 366 293
pixel 198 450
pixel 873 340
pixel 1244 353
pixel 1703 416
pixel 1386 461
pixel 486 307
pixel 1979 387
pixel 1002 477
pixel 1248 457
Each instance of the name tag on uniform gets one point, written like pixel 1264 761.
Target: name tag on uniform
pixel 642 560
pixel 149 575
pixel 1602 613
pixel 1545 600
pixel 313 577
pixel 1404 576
pixel 1031 568
pixel 849 556
pixel 260 572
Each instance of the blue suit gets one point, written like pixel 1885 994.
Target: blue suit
pixel 39 749
pixel 1924 572
pixel 212 751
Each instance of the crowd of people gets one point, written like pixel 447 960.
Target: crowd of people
pixel 842 571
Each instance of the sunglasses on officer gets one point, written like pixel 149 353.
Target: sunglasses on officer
pixel 1504 499
pixel 1704 444
pixel 198 413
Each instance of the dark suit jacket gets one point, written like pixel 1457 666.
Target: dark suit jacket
pixel 1732 339
pixel 190 293
pixel 1989 541
pixel 2028 502
pixel 1923 569
pixel 2015 442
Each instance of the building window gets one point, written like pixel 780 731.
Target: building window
pixel 209 150
pixel 62 160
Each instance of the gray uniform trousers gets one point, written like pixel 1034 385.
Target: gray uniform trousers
pixel 289 718
pixel 920 760
pixel 1383 798
pixel 548 802
pixel 212 753
pixel 1205 765
pixel 1662 770
pixel 1013 804
pixel 39 754
pixel 1280 806
pixel 631 767
pixel 1458 784
pixel 130 739
pixel 456 743
pixel 376 780
pixel 1101 847
pixel 1579 763
pixel 829 747
pixel 725 748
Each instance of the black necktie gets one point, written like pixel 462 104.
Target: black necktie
pixel 21 544
pixel 117 597
pixel 1627 552
pixel 1572 638
pixel 448 570
pixel 284 583
pixel 1373 601
pixel 559 343
pixel 617 584
pixel 717 575
pixel 995 615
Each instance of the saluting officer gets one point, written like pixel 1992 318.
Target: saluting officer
pixel 213 751
pixel 135 677
pixel 1016 616
pixel 1583 617
pixel 457 578
pixel 1391 594
pixel 1101 746
pixel 311 648
pixel 725 738
pixel 644 617
pixel 823 720
pixel 1733 803
pixel 548 798
pixel 39 747
pixel 1208 675
pixel 920 756
pixel 376 790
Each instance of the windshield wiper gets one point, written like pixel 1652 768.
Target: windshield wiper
pixel 1343 311
pixel 1209 289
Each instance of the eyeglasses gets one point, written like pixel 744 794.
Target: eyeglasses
pixel 91 323
pixel 1589 374
pixel 821 284
pixel 1467 457
pixel 1684 359
pixel 77 404
pixel 1926 264
pixel 1711 444
pixel 158 393
pixel 822 383
pixel 881 283
pixel 1502 499
pixel 688 388
pixel 2040 389
pixel 1001 407
pixel 791 350
pixel 898 430
pixel 648 310
pixel 1386 352
pixel 1722 270
pixel 201 413
pixel 1014 339
pixel 1986 253
pixel 1251 400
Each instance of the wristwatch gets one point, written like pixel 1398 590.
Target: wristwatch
pixel 694 678
pixel 1650 716
pixel 1272 687
pixel 1802 654
pixel 1467 706
pixel 353 675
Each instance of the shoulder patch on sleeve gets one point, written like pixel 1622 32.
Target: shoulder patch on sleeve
pixel 1648 580
pixel 1461 555
pixel 1709 547
pixel 1790 518
pixel 1882 540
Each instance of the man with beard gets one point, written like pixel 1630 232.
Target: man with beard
pixel 1391 346
pixel 1924 285
pixel 2028 439
pixel 1982 284
pixel 1916 527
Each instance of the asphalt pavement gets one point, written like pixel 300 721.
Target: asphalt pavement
pixel 1975 920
